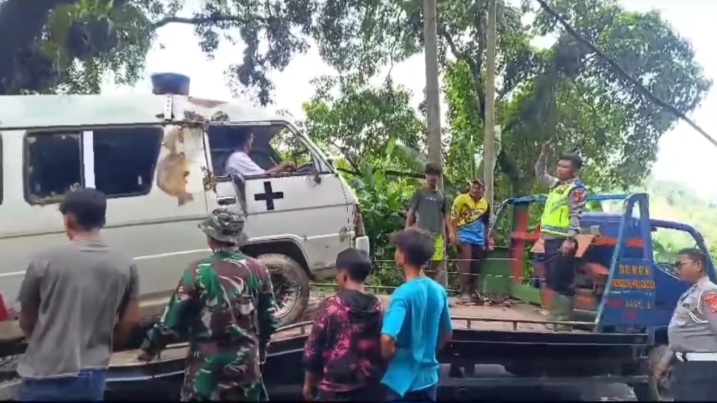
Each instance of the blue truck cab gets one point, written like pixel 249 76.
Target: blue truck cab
pixel 620 286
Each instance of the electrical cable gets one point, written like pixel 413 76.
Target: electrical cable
pixel 622 73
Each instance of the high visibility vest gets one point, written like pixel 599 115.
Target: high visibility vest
pixel 556 215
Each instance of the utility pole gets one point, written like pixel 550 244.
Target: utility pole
pixel 433 109
pixel 489 142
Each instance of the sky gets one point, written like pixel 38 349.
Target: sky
pixel 683 154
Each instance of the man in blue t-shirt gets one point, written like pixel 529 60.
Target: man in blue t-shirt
pixel 416 325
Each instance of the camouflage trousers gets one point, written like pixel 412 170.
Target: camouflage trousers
pixel 227 374
pixel 253 392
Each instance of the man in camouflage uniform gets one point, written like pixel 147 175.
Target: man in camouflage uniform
pixel 224 304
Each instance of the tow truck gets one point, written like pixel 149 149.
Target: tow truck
pixel 623 306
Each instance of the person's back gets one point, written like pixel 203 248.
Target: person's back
pixel 74 300
pixel 415 364
pixel 224 305
pixel 342 356
pixel 231 283
pixel 416 325
pixel 82 286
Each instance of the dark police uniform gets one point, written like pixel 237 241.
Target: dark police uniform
pixel 693 342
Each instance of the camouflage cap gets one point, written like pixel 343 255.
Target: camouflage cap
pixel 224 225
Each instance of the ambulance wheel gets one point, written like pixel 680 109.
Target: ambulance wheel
pixel 291 287
pixel 656 389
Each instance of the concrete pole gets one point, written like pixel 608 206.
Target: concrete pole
pixel 433 109
pixel 489 159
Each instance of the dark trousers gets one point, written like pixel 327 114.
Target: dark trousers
pixel 695 381
pixel 472 260
pixel 559 268
pixel 372 393
pixel 422 395
pixel 88 385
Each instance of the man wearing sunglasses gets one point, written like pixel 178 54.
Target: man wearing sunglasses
pixel 693 333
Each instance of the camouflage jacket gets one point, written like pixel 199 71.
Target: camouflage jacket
pixel 225 306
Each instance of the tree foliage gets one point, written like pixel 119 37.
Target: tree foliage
pixel 564 92
pixel 361 120
pixel 68 45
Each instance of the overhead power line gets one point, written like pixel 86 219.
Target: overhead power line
pixel 621 72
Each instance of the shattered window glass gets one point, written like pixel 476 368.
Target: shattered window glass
pixel 125 160
pixel 53 165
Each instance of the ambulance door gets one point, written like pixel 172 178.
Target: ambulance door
pixel 307 207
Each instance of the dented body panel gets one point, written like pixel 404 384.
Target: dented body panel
pixel 157 224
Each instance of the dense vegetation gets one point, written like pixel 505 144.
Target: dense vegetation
pixel 674 201
pixel 565 92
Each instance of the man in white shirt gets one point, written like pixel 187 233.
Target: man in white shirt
pixel 240 163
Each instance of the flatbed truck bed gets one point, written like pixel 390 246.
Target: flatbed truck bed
pixel 514 336
pixel 517 317
pixel 498 318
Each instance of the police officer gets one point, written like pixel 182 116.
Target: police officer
pixel 693 333
pixel 560 225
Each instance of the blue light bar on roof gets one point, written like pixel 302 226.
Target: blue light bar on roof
pixel 170 83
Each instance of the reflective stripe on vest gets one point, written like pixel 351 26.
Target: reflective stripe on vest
pixel 556 216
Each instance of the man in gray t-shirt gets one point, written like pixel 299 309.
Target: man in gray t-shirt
pixel 429 213
pixel 74 299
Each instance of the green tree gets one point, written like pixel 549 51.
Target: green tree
pixel 68 45
pixel 564 92
pixel 364 122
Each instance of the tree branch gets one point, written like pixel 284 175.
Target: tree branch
pixel 203 20
pixel 347 156
pixel 475 69
pixel 637 86
pixel 21 23
pixel 388 172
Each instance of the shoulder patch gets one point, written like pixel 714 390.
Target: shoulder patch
pixel 579 194
pixel 709 299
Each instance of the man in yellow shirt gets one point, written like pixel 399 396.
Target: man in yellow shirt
pixel 471 216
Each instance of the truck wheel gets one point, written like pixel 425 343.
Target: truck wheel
pixel 291 287
pixel 655 390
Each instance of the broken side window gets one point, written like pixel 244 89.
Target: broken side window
pixel 52 165
pixel 125 160
pixel 289 147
